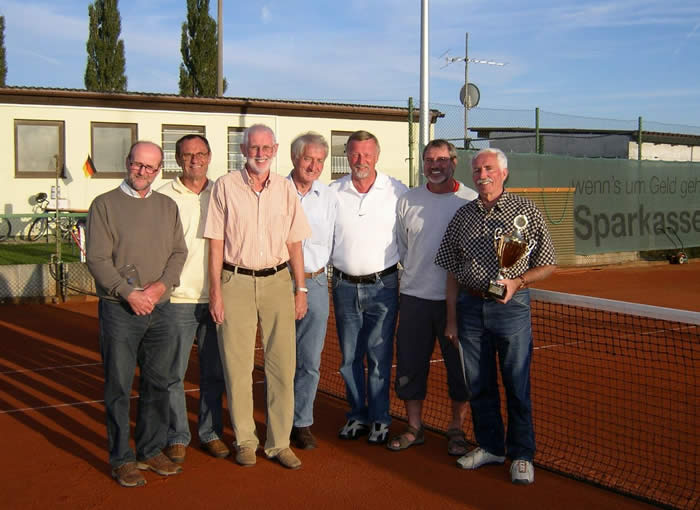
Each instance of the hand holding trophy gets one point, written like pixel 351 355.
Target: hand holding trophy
pixel 510 249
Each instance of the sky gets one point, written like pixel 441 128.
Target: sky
pixel 600 59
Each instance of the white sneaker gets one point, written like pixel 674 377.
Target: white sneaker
pixel 477 458
pixel 379 433
pixel 522 472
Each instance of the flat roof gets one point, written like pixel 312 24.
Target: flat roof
pixel 647 136
pixel 237 105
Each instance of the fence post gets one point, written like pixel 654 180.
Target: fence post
pixel 538 145
pixel 639 139
pixel 411 142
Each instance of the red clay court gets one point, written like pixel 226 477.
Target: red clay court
pixel 54 439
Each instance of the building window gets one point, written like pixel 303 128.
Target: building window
pixel 339 161
pixel 110 145
pixel 236 159
pixel 171 134
pixel 39 148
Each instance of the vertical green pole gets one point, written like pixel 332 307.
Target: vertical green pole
pixel 411 143
pixel 538 146
pixel 639 139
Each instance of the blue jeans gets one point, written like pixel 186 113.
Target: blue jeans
pixel 193 320
pixel 488 329
pixel 128 340
pixel 365 315
pixel 311 333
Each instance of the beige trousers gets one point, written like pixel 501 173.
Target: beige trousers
pixel 270 301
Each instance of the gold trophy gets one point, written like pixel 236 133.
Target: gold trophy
pixel 510 249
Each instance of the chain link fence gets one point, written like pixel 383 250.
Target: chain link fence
pixel 29 282
pixel 451 126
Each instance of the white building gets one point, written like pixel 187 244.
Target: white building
pixel 57 129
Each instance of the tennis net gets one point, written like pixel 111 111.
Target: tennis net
pixel 614 391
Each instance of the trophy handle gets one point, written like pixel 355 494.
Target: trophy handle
pixel 497 233
pixel 530 246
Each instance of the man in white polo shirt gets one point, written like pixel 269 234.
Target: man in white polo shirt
pixel 366 286
pixel 190 303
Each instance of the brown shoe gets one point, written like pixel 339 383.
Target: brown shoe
pixel 287 458
pixel 303 438
pixel 128 475
pixel 216 448
pixel 246 456
pixel 176 453
pixel 160 464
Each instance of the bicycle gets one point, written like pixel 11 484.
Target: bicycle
pixel 40 226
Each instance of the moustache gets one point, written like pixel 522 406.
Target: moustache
pixel 484 181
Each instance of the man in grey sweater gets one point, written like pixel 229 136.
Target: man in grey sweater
pixel 135 252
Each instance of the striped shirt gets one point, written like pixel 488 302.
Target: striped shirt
pixel 255 227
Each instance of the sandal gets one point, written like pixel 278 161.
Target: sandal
pixel 456 442
pixel 401 442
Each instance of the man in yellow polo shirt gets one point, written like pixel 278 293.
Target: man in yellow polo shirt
pixel 190 303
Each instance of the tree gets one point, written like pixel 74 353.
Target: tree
pixel 105 62
pixel 3 62
pixel 199 51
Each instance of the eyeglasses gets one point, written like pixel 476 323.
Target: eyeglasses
pixel 265 149
pixel 430 161
pixel 135 165
pixel 197 155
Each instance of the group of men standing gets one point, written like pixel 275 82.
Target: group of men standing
pixel 249 252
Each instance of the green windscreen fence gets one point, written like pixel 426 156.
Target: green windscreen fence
pixel 618 204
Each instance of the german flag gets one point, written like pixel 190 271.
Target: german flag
pixel 89 167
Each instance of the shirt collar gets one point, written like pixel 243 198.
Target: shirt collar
pixel 181 188
pixel 124 186
pixel 249 182
pixel 315 186
pixel 505 196
pixel 381 181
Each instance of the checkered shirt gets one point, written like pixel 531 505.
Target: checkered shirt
pixel 467 248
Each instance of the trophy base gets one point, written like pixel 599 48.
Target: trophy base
pixel 496 290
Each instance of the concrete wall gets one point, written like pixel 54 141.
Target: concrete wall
pixel 664 152
pixel 79 190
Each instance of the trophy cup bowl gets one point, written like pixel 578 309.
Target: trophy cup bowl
pixel 510 249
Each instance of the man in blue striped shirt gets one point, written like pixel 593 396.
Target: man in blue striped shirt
pixel 309 152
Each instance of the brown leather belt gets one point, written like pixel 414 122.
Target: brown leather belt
pixel 315 273
pixel 365 278
pixel 268 271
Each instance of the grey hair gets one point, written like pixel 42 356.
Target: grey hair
pixel 257 127
pixel 309 138
pixel 500 156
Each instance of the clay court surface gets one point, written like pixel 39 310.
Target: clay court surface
pixel 53 438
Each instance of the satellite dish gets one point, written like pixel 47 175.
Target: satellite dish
pixel 474 96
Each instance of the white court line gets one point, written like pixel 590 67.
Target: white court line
pixel 556 345
pixel 48 368
pixel 81 403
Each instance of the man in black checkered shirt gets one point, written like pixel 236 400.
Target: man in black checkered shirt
pixel 486 328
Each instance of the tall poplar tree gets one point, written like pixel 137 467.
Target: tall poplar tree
pixel 199 51
pixel 105 62
pixel 3 62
